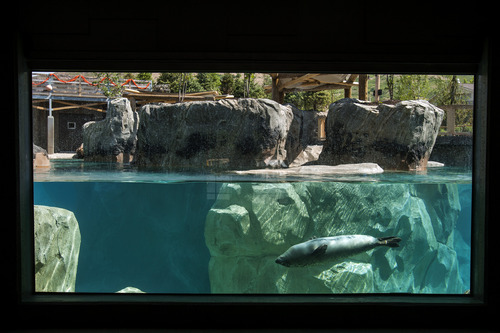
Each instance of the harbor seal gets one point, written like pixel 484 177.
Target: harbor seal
pixel 326 249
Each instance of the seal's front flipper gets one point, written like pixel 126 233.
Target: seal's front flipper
pixel 320 250
pixel 391 241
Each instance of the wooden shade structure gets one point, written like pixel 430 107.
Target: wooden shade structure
pixel 290 82
pixel 139 97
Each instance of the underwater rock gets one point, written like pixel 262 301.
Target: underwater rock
pixel 114 138
pixel 397 137
pixel 236 134
pixel 251 224
pixel 130 290
pixel 57 247
pixel 342 277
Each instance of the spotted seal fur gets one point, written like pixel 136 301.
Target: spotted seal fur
pixel 328 249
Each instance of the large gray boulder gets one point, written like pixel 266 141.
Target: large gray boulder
pixel 397 137
pixel 57 247
pixel 236 134
pixel 250 225
pixel 114 138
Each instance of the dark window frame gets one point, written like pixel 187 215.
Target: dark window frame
pixel 269 310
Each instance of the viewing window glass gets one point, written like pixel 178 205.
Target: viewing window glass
pixel 252 183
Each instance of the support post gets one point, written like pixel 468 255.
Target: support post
pixel 450 120
pixel 377 87
pixel 277 94
pixel 347 92
pixel 363 87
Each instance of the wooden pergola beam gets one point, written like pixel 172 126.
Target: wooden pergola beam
pixel 352 78
pixel 302 80
pixel 311 82
pixel 70 105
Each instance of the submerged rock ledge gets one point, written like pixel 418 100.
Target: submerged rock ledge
pixel 313 170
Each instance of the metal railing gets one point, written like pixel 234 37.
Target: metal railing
pixel 80 86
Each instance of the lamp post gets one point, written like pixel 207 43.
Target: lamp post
pixel 50 121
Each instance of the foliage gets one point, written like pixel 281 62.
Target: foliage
pixel 390 85
pixel 410 87
pixel 438 89
pixel 448 91
pixel 241 87
pixel 145 76
pixel 209 81
pixel 180 82
pixel 313 100
pixel 106 86
pixel 227 84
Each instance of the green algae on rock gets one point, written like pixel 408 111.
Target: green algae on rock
pixel 57 247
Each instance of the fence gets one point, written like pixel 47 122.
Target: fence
pixel 457 117
pixel 80 86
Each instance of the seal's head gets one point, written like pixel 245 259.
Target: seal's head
pixel 282 261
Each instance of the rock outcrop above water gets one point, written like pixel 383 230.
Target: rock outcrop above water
pixel 260 133
pixel 397 137
pixel 230 134
pixel 114 138
pixel 251 224
pixel 40 158
pixel 57 247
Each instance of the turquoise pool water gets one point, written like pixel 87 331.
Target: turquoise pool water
pixel 163 232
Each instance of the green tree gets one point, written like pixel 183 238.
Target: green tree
pixel 145 76
pixel 447 91
pixel 314 100
pixel 227 84
pixel 412 87
pixel 167 78
pixel 209 81
pixel 246 87
pixel 295 98
pixel 109 84
pixel 239 86
pixel 180 82
pixel 390 85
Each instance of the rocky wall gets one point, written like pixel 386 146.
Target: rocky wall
pixel 251 224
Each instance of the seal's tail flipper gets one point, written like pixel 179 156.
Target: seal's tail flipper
pixel 391 241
